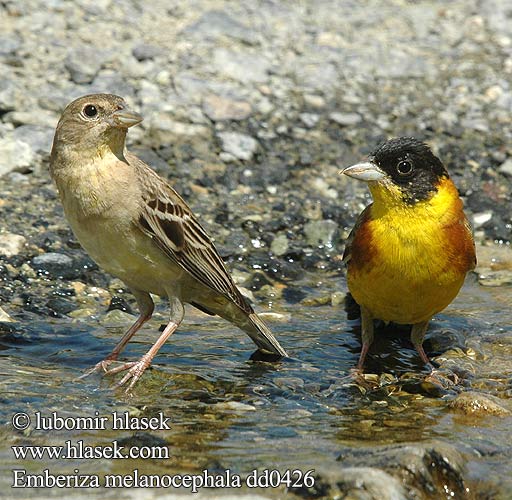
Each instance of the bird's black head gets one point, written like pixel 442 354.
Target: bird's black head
pixel 411 166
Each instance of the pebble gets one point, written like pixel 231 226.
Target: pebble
pixel 309 119
pixel 11 244
pixel 479 405
pixel 117 317
pixel 4 317
pixel 38 137
pixel 243 66
pixel 321 232
pixel 55 265
pixel 279 245
pixel 240 146
pixel 15 154
pixel 217 23
pixel 235 406
pixel 345 119
pixel 219 108
pixel 83 64
pixel 506 167
pixel 145 51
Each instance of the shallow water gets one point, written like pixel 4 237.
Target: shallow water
pixel 228 412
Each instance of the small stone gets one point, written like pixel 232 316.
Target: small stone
pixel 38 137
pixel 55 265
pixel 241 146
pixel 14 154
pixel 309 119
pixel 345 119
pixel 117 317
pixel 219 108
pixel 38 117
pixel 478 405
pixel 8 93
pixel 243 66
pixel 112 82
pixel 315 101
pixel 215 23
pixel 4 317
pixel 375 483
pixel 279 245
pixel 482 218
pixel 495 278
pixel 506 167
pixel 338 298
pixel 83 65
pixel 11 244
pixel 235 406
pixel 145 51
pixel 322 232
pixel 60 305
pixel 9 44
pixel 163 125
pixel 120 304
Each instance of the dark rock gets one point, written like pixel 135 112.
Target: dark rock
pixel 60 306
pixel 119 303
pixel 425 470
pixel 293 295
pixel 55 265
pixel 256 281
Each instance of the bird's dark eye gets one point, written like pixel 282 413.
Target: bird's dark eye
pixel 90 111
pixel 404 167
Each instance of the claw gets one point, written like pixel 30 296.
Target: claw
pixel 98 367
pixel 134 373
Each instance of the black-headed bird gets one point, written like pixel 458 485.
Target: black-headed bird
pixel 410 250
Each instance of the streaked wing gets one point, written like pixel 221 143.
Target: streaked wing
pixel 169 221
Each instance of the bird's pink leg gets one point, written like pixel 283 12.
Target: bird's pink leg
pixel 417 335
pixel 366 336
pixel 137 368
pixel 146 306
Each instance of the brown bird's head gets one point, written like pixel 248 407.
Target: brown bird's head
pixel 93 123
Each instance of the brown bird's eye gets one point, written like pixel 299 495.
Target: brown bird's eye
pixel 404 167
pixel 90 111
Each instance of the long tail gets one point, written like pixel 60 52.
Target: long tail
pixel 262 336
pixel 247 321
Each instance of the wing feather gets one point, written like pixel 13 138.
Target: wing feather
pixel 170 222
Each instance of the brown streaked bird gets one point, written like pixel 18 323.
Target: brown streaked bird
pixel 137 228
pixel 410 250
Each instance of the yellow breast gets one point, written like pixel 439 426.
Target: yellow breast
pixel 408 262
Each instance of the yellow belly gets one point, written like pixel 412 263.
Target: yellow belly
pixel 391 293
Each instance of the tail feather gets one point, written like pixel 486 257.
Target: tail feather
pixel 262 336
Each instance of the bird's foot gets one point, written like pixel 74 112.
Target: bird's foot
pixel 135 371
pixel 436 377
pixel 356 377
pixel 102 366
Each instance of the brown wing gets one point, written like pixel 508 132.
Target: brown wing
pixel 347 254
pixel 170 222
